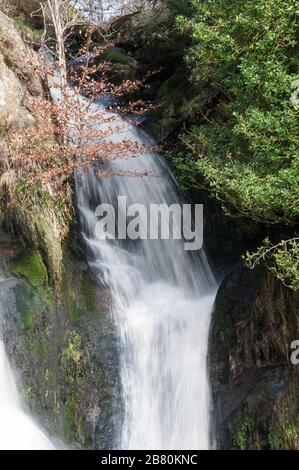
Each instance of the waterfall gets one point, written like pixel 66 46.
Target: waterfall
pixel 163 299
pixel 17 430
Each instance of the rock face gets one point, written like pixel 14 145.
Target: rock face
pixel 63 346
pixel 255 385
pixel 18 83
pixel 34 221
pixel 57 328
pixel 25 9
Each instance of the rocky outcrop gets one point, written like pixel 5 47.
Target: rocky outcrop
pixel 34 217
pixel 255 385
pixel 37 225
pixel 63 346
pixel 18 83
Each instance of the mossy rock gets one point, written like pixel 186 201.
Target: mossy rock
pixel 122 67
pixel 40 228
pixel 173 90
pixel 77 290
pixel 30 265
pixel 32 302
pixel 27 29
pixel 116 56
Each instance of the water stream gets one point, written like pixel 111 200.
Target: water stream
pixel 163 298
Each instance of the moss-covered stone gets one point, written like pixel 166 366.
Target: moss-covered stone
pixel 77 292
pixel 32 304
pixel 42 222
pixel 64 353
pixel 27 29
pixel 31 266
pixel 116 56
pixel 122 67
pixel 279 436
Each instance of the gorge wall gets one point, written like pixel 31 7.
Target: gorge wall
pixel 55 320
pixel 255 385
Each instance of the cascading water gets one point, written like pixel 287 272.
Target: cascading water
pixel 163 298
pixel 17 430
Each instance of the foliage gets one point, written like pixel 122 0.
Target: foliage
pixel 70 133
pixel 246 151
pixel 243 431
pixel 282 259
pixel 240 138
pixel 285 436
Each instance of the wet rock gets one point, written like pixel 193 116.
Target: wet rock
pixel 8 248
pixel 63 346
pixel 254 383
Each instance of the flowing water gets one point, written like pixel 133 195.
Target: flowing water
pixel 163 299
pixel 17 430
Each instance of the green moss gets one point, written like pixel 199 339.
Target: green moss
pixel 24 27
pixel 117 57
pixel 70 303
pixel 88 292
pixel 24 301
pixel 276 440
pixel 31 266
pixel 57 351
pixel 42 221
pixel 28 393
pixel 241 439
pixel 70 422
pixel 33 303
pixel 73 423
pixel 283 437
pixel 78 293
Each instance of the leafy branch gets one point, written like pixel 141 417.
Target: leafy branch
pixel 282 259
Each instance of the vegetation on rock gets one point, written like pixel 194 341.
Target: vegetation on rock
pixel 30 265
pixel 226 83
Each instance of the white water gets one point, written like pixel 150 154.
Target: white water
pixel 163 298
pixel 17 430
